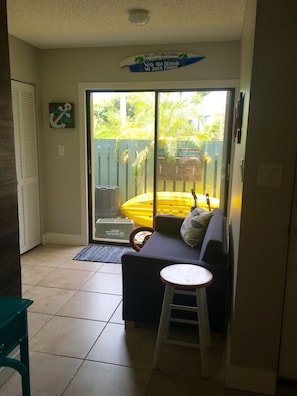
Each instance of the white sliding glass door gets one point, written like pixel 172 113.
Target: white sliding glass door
pixel 152 152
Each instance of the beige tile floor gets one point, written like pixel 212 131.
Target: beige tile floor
pixel 79 346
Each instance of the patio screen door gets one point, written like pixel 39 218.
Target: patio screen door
pixel 154 152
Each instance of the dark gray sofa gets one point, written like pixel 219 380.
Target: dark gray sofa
pixel 142 287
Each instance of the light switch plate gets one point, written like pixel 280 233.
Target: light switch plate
pixel 61 150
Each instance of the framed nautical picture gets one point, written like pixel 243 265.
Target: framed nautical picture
pixel 61 115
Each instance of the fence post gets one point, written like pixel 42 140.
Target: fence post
pixel 215 176
pixel 145 176
pixel 204 173
pixel 99 166
pixel 108 165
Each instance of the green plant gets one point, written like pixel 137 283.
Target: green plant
pixel 138 165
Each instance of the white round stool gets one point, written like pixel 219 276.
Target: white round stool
pixel 185 279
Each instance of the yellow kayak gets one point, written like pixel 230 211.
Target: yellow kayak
pixel 140 208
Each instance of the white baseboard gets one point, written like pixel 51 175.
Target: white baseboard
pixel 249 379
pixel 62 239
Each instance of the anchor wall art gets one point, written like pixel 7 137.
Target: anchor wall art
pixel 61 115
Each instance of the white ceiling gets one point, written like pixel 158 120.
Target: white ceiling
pixel 104 23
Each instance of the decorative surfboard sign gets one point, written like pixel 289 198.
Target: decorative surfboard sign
pixel 61 115
pixel 160 61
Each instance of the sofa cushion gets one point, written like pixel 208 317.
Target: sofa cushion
pixel 163 246
pixel 194 226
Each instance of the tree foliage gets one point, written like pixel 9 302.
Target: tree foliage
pixel 131 115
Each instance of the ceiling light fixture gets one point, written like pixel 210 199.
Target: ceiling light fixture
pixel 139 17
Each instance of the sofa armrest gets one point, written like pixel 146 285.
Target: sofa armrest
pixel 168 224
pixel 214 246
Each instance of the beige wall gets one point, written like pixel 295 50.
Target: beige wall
pixel 62 71
pixel 57 75
pixel 24 61
pixel 265 216
pixel 259 215
pixel 238 150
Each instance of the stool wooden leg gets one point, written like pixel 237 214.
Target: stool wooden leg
pixel 205 309
pixel 163 324
pixel 203 326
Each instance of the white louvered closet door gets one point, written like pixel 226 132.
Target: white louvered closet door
pixel 23 101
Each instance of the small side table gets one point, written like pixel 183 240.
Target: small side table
pixel 14 332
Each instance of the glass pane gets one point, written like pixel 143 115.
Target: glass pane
pixel 122 126
pixel 190 166
pixel 190 150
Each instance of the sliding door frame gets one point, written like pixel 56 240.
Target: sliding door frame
pixel 231 85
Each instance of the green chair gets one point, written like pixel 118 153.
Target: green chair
pixel 14 333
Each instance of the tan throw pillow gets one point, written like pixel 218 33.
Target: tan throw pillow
pixel 194 226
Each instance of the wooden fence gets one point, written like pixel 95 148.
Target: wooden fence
pixel 198 169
